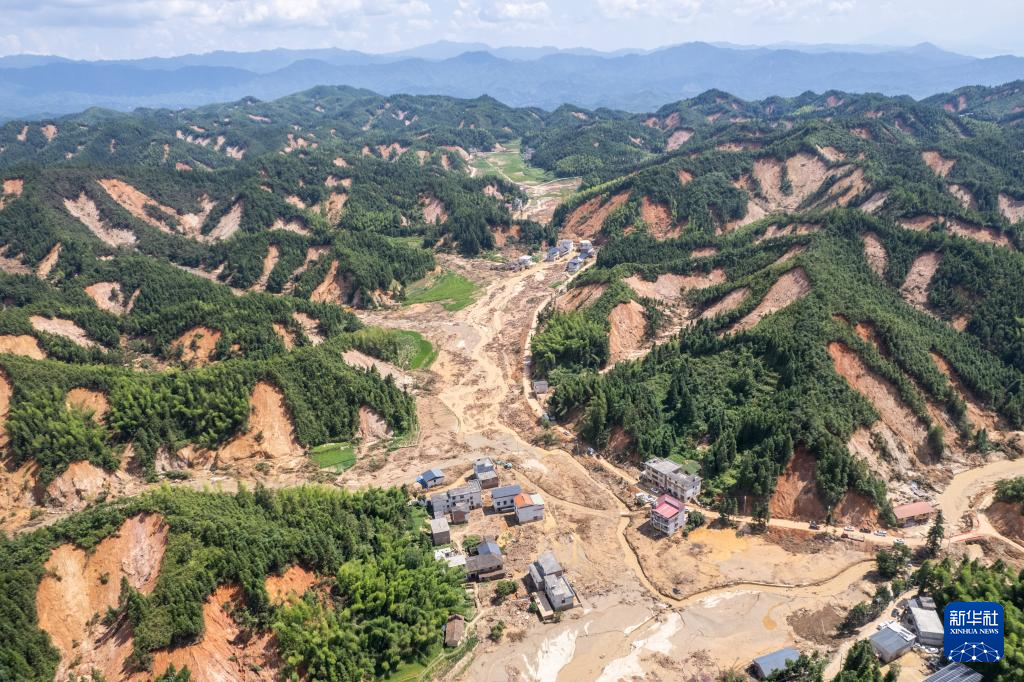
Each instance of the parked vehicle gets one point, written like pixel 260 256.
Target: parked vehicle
pixel 881 533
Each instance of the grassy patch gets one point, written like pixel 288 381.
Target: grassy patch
pixel 420 354
pixel 688 466
pixel 509 164
pixel 453 291
pixel 334 456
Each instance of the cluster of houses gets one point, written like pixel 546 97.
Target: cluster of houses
pixel 919 624
pixel 765 666
pixel 676 488
pixel 551 589
pixel 564 247
pixel 456 504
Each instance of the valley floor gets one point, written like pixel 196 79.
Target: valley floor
pixel 651 607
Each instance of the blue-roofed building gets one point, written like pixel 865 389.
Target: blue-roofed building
pixel 777 660
pixel 955 672
pixel 431 478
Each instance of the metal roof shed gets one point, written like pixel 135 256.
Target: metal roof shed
pixel 777 660
pixel 955 672
pixel 891 642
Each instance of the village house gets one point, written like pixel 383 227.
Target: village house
pixel 483 567
pixel 503 499
pixel 667 476
pixel 485 474
pixel 454 630
pixel 440 532
pixel 460 512
pixel 668 515
pixel 540 387
pixel 586 246
pixel 529 507
pixel 913 514
pixel 552 254
pixel 444 503
pixel 431 478
pixel 547 578
pixel 564 246
pixel 574 265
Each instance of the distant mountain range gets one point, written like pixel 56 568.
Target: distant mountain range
pixel 33 86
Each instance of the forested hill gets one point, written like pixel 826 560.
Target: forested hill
pixel 829 286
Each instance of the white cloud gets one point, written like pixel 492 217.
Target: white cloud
pixel 667 10
pixel 511 13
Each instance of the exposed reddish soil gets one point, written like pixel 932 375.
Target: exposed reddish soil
pixel 84 209
pixel 184 167
pixel 14 187
pixel 918 223
pixel 677 139
pixel 796 492
pixel 269 416
pixel 61 327
pixel 269 261
pixel 334 206
pixel 862 133
pixel 978 416
pixel 685 177
pixel 286 335
pixel 77 585
pixel 787 230
pixel 198 345
pixel 791 286
pixel 49 131
pixel 23 344
pixel 730 301
pixel 940 165
pixel 628 326
pixel 831 154
pixel 579 297
pixel 882 395
pixel 669 288
pixel 586 220
pixel 915 286
pixel 384 369
pixel 291 584
pixel 874 252
pixel 335 287
pixel 108 296
pixel 1012 209
pixel 227 225
pixel 658 219
pixel 292 226
pixel 5 404
pixel 874 202
pixel 963 195
pixel 45 266
pixel 372 427
pixel 81 484
pixel 310 327
pixel 88 401
pixel 433 210
pixel 703 252
pixel 223 654
pixel 805 172
pixel 985 235
pixel 847 188
pixel 389 151
pixel 1008 519
pixel 295 201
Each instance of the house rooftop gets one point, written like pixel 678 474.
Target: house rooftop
pixel 927 621
pixel 663 466
pixel 454 629
pixel 548 564
pixel 558 588
pixel 892 639
pixel 907 511
pixel 775 661
pixel 439 525
pixel 668 507
pixel 484 563
pixel 488 546
pixel 507 491
pixel 432 473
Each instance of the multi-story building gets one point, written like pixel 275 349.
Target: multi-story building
pixel 669 477
pixel 668 514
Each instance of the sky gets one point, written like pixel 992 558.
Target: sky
pixel 119 29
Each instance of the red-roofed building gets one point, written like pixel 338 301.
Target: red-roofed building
pixel 913 513
pixel 668 514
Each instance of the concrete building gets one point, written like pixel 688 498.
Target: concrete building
pixel 485 474
pixel 529 507
pixel 450 556
pixel 891 642
pixel 488 546
pixel 668 515
pixel 586 246
pixel 927 624
pixel 552 254
pixel 540 387
pixel 431 478
pixel 503 499
pixel 913 514
pixel 574 265
pixel 564 246
pixel 559 593
pixel 524 262
pixel 460 512
pixel 545 565
pixel 954 672
pixel 669 477
pixel 440 532
pixel 774 662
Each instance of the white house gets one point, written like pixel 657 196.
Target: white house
pixel 503 499
pixel 668 514
pixel 669 477
pixel 529 507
